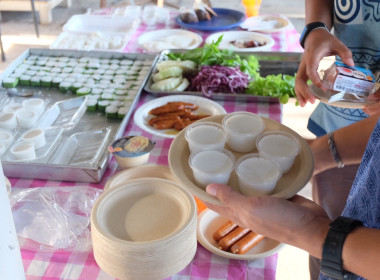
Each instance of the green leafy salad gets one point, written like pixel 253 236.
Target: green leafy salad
pixel 280 86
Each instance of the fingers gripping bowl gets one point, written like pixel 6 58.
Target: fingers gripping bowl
pixel 287 186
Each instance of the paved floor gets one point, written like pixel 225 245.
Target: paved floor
pixel 18 35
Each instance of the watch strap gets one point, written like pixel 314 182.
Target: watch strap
pixel 309 28
pixel 332 263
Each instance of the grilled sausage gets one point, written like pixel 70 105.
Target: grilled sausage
pixel 246 243
pixel 226 242
pixel 224 230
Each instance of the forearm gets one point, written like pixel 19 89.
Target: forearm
pixel 319 10
pixel 350 142
pixel 361 252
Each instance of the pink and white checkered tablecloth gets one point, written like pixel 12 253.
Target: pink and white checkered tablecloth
pixel 61 264
pixel 285 41
pixel 72 265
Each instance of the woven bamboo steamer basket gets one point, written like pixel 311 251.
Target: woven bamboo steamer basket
pixel 144 229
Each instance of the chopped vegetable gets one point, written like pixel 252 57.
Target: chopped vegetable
pixel 220 79
pixel 281 86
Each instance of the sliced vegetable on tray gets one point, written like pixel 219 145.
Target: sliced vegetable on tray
pixel 211 70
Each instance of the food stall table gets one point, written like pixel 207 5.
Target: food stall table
pixel 71 265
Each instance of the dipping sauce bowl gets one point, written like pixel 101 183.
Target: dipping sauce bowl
pixel 242 129
pixel 212 166
pixel 280 146
pixel 131 151
pixel 205 136
pixel 257 175
pixel 35 104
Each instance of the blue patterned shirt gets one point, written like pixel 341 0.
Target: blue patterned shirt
pixel 363 202
pixel 357 25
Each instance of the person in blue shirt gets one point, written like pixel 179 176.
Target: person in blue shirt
pixel 355 42
pixel 303 223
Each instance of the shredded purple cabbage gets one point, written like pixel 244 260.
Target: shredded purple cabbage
pixel 220 79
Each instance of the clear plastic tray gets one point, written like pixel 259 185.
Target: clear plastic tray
pixel 52 137
pixel 83 148
pixel 65 113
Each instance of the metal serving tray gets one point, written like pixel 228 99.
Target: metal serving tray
pixel 78 138
pixel 271 63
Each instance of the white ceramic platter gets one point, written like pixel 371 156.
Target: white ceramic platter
pixel 266 23
pixel 209 221
pixel 241 37
pixel 206 106
pixel 159 40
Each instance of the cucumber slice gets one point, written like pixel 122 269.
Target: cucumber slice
pixel 167 72
pixel 187 66
pixel 166 84
pixel 183 85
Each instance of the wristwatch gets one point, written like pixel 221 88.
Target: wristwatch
pixel 309 28
pixel 331 263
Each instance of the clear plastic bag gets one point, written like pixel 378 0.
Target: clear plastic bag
pixel 54 217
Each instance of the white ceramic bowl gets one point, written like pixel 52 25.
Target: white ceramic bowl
pixel 212 166
pixel 144 229
pixel 280 146
pixel 35 135
pixel 257 175
pixel 205 136
pixel 242 129
pixel 241 36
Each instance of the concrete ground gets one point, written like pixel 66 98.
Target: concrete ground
pixel 18 35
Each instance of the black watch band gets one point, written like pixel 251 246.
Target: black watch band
pixel 309 28
pixel 331 263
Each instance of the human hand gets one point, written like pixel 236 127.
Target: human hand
pixel 375 107
pixel 318 45
pixel 273 217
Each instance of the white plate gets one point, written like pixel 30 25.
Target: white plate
pixel 209 221
pixel 267 24
pixel 206 106
pixel 229 36
pixel 159 40
pixel 289 184
pixel 144 171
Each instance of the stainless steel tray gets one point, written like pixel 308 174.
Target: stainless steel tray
pixel 271 63
pixel 77 141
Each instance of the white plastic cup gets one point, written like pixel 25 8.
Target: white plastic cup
pixel 280 146
pixel 35 135
pixel 26 117
pixel 23 151
pixel 242 129
pixel 12 107
pixel 205 136
pixel 35 104
pixel 212 166
pixel 8 120
pixel 6 136
pixel 257 175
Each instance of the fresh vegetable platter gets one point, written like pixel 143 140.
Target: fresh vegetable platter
pixel 224 74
